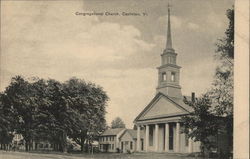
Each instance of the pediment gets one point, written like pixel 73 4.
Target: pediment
pixel 161 106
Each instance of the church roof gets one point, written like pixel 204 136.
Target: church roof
pixel 180 102
pixel 177 101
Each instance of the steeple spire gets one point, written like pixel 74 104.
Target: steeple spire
pixel 169 38
pixel 169 71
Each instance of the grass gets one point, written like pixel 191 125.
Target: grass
pixel 57 155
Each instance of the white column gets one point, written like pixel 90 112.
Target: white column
pixel 177 137
pixel 147 138
pixel 156 137
pixel 190 145
pixel 138 145
pixel 166 137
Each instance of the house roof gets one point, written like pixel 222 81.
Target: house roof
pixel 133 133
pixel 112 131
pixel 177 101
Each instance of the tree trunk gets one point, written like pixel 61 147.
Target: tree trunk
pixel 64 142
pixel 229 130
pixel 26 146
pixel 86 146
pixel 53 145
pixel 230 144
pixel 82 144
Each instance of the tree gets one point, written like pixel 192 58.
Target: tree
pixel 53 111
pixel 201 124
pixel 21 97
pixel 225 46
pixel 90 102
pixel 117 123
pixel 59 119
pixel 213 113
pixel 6 122
pixel 222 89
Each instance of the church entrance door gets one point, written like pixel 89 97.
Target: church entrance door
pixel 171 137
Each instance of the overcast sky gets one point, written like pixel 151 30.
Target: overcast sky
pixel 120 53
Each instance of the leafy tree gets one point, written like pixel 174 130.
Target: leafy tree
pixel 22 99
pixel 6 122
pixel 213 113
pixel 117 123
pixel 89 101
pixel 222 90
pixel 59 119
pixel 225 46
pixel 75 109
pixel 201 124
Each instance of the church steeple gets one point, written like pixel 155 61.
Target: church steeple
pixel 169 38
pixel 169 71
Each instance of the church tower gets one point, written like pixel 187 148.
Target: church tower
pixel 169 71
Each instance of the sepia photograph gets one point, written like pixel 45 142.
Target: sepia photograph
pixel 118 79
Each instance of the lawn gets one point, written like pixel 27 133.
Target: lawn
pixel 24 155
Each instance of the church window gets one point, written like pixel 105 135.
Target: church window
pixel 173 76
pixel 173 60
pixel 169 59
pixel 164 76
pixel 131 145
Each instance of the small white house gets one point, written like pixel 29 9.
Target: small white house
pixel 128 141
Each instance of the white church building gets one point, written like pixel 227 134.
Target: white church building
pixel 160 119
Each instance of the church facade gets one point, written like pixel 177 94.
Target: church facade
pixel 160 119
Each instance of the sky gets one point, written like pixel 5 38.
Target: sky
pixel 120 53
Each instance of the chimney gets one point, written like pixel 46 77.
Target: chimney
pixel 193 97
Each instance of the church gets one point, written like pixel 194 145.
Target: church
pixel 160 119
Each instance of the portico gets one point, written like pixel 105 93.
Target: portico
pixel 166 138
